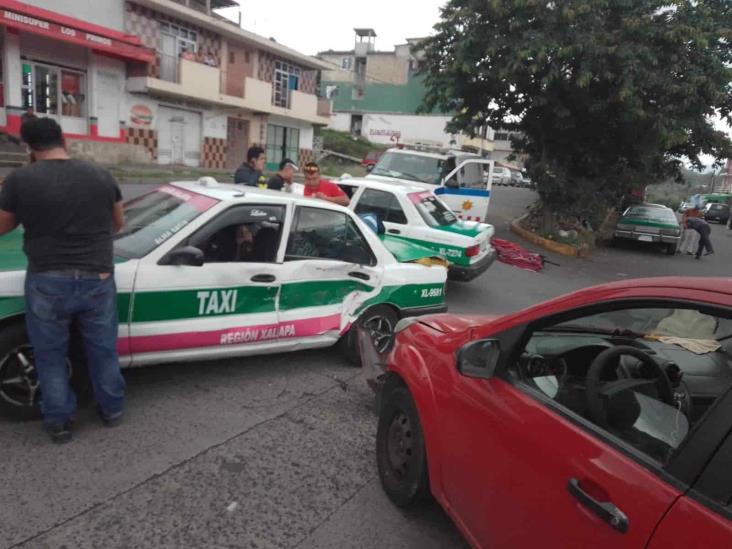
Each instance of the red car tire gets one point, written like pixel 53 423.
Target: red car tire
pixel 400 451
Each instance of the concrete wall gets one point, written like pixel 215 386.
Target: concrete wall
pixel 387 69
pixel 340 121
pixel 214 124
pixel 337 74
pixel 237 68
pixel 107 13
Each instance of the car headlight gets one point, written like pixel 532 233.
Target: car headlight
pixel 671 232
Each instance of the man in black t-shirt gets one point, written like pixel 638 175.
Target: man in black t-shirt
pixel 69 210
pixel 283 178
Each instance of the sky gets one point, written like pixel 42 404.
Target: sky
pixel 311 26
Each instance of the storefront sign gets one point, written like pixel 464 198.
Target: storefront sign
pixel 386 133
pixel 141 115
pixel 32 22
pixel 70 34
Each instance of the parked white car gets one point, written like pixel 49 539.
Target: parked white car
pixel 455 176
pixel 501 175
pixel 413 215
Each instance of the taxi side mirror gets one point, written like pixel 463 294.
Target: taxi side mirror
pixel 479 358
pixel 188 255
pixel 452 183
pixel 370 168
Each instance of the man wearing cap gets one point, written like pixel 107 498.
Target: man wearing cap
pixel 282 180
pixel 322 188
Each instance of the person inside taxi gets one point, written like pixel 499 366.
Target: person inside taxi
pixel 322 188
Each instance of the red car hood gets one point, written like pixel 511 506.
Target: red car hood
pixel 455 324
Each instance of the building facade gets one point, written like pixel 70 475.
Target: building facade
pixel 168 81
pixel 376 94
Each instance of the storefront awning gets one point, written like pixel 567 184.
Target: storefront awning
pixel 18 15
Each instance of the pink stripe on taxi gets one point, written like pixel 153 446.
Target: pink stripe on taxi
pixel 229 336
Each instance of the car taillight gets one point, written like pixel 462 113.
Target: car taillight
pixel 472 250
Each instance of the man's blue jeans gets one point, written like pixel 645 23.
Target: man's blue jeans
pixel 55 301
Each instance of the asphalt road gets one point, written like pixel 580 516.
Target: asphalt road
pixel 273 451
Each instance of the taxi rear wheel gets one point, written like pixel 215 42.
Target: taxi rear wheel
pixel 380 321
pixel 20 392
pixel 400 451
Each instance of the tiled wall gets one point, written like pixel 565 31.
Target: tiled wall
pixel 145 24
pixel 214 153
pixel 146 138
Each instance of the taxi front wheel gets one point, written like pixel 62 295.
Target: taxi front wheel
pixel 380 321
pixel 20 393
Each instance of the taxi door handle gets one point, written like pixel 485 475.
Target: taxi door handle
pixel 263 278
pixel 362 276
pixel 603 509
pixel 394 231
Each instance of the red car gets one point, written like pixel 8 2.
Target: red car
pixel 598 419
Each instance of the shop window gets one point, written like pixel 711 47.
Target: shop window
pixel 72 98
pixel 52 91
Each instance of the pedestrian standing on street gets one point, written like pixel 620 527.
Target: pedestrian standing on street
pixel 282 180
pixel 69 210
pixel 690 238
pixel 250 172
pixel 704 230
pixel 322 188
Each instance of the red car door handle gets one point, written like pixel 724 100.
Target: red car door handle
pixel 603 509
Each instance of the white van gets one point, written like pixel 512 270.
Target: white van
pixel 456 177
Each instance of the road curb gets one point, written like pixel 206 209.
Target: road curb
pixel 551 245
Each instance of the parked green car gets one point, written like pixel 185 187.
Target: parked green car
pixel 651 223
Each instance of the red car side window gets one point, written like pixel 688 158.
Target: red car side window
pixel 624 371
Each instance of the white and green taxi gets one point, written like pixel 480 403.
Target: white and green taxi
pixel 414 215
pixel 206 271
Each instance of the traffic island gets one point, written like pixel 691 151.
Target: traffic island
pixel 562 248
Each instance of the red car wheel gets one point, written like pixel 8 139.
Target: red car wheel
pixel 400 450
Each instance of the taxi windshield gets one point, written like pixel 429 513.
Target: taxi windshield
pixel 434 212
pixel 153 218
pixel 414 167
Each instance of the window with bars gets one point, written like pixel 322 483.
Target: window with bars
pixel 286 79
pixel 186 39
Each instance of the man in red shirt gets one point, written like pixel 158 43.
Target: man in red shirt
pixel 322 188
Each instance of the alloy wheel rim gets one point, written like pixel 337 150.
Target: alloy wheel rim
pixel 381 332
pixel 19 384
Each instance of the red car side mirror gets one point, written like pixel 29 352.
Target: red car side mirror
pixel 479 358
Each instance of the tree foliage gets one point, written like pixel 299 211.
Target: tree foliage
pixel 608 94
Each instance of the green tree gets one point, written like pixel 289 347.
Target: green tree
pixel 608 94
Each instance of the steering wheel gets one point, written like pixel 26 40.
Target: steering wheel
pixel 610 404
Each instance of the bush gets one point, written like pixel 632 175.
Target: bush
pixel 345 143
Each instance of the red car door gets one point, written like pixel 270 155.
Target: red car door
pixel 703 518
pixel 509 466
pixel 520 467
